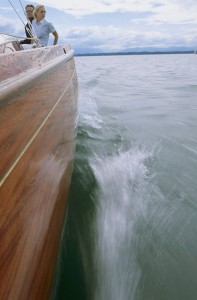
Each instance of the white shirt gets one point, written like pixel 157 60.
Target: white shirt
pixel 42 29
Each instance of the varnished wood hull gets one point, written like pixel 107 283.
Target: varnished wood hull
pixel 37 131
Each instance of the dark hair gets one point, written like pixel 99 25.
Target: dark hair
pixel 29 5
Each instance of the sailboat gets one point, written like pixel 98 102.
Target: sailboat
pixel 38 122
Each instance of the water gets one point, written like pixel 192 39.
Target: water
pixel 131 226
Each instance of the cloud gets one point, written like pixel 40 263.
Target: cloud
pixel 112 38
pixel 175 12
pixel 165 11
pixel 10 25
pixel 8 8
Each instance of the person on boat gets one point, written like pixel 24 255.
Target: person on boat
pixel 42 27
pixel 29 9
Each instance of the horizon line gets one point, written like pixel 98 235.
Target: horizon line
pixel 136 53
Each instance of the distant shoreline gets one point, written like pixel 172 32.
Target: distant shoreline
pixel 136 53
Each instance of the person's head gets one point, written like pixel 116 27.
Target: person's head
pixel 39 12
pixel 29 9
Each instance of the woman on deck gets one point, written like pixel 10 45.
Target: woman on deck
pixel 42 27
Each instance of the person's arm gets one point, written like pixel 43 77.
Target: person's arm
pixel 56 37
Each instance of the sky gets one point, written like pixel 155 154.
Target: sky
pixel 93 26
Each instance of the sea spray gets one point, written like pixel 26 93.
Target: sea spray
pixel 122 203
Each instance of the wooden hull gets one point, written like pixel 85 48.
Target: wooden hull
pixel 37 129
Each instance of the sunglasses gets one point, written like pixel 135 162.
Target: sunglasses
pixel 43 11
pixel 29 11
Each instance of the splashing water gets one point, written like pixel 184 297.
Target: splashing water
pixel 124 192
